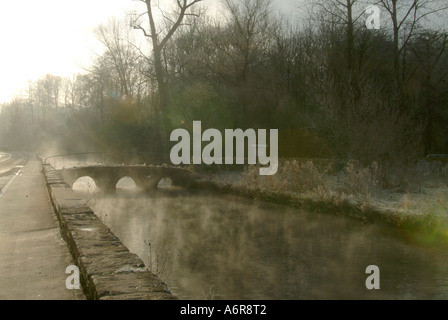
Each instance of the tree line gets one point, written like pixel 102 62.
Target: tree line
pixel 332 87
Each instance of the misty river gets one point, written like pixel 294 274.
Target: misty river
pixel 213 246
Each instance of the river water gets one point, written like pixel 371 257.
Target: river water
pixel 210 246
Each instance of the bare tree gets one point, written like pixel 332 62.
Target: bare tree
pixel 406 16
pixel 16 124
pixel 341 12
pixel 161 35
pixel 429 69
pixel 121 54
pixel 250 21
pixel 71 92
pixel 44 95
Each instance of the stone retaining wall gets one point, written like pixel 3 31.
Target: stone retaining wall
pixel 108 270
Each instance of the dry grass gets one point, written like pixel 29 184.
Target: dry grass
pixel 360 180
pixel 418 189
pixel 292 177
pixel 430 201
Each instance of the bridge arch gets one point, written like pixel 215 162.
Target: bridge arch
pixel 126 182
pixel 84 183
pixel 147 178
pixel 165 182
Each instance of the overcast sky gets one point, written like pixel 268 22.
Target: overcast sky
pixel 56 36
pixel 47 36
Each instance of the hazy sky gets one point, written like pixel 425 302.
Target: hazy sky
pixel 48 36
pixel 56 36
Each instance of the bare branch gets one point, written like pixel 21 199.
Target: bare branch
pixel 137 27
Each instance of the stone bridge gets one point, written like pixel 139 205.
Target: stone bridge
pixel 145 177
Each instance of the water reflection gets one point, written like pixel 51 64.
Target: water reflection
pixel 207 246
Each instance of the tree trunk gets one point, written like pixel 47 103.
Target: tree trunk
pixel 350 35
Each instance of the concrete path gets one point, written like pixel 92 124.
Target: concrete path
pixel 33 255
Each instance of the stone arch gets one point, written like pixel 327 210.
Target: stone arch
pixel 165 182
pixel 126 182
pixel 84 183
pixel 147 181
pixel 146 178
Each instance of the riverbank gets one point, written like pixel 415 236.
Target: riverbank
pixel 108 270
pixel 417 204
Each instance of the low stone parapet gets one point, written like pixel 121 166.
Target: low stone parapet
pixel 108 270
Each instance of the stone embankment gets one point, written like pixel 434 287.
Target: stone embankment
pixel 108 270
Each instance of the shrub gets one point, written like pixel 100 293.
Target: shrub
pixel 292 176
pixel 359 180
